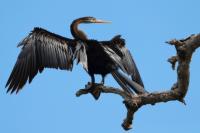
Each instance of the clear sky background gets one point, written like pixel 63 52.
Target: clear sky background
pixel 49 104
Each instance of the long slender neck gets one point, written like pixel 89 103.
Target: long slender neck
pixel 76 33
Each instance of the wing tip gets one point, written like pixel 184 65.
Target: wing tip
pixel 12 88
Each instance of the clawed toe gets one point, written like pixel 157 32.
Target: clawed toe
pixel 92 88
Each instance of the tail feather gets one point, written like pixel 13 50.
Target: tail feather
pixel 121 82
pixel 126 83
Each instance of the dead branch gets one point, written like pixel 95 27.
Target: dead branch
pixel 185 49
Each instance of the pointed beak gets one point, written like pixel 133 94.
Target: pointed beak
pixel 101 21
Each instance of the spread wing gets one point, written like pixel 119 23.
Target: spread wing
pixel 130 66
pixel 122 57
pixel 43 49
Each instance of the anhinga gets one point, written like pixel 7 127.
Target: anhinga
pixel 43 49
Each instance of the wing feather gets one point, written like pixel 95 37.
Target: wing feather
pixel 42 49
pixel 130 66
pixel 122 57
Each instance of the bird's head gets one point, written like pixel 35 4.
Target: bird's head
pixel 89 20
pixel 78 34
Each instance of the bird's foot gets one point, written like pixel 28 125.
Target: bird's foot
pixel 93 88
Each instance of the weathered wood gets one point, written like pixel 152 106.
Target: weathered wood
pixel 185 49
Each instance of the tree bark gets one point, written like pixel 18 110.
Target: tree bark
pixel 184 51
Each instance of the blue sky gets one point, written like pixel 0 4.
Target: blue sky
pixel 49 103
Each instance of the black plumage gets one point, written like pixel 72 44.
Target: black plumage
pixel 43 49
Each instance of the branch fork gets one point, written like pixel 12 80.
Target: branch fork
pixel 184 51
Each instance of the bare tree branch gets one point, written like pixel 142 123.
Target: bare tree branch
pixel 184 48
